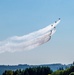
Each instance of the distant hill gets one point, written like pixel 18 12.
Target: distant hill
pixel 54 67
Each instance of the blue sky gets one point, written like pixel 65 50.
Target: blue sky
pixel 20 17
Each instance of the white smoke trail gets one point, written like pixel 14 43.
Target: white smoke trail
pixel 29 41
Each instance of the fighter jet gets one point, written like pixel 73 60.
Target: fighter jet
pixel 59 18
pixel 54 27
pixel 51 31
pixel 55 21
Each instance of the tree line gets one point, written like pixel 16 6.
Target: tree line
pixel 30 71
pixel 41 71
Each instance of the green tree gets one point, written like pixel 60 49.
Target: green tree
pixel 17 72
pixel 9 72
pixel 26 72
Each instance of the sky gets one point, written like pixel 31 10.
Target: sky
pixel 20 17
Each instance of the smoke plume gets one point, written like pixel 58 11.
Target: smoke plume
pixel 29 41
